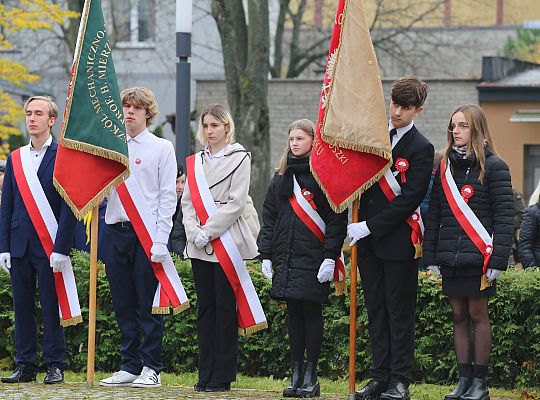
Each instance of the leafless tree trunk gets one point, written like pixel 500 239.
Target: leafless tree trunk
pixel 245 43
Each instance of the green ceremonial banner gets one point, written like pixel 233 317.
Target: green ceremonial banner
pixel 93 156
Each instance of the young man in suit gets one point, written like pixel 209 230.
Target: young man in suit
pixel 387 257
pixel 23 255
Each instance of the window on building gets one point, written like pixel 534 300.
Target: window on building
pixel 134 22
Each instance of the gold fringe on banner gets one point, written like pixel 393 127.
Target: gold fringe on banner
pixel 161 310
pixel 484 284
pixel 71 321
pixel 253 329
pixel 182 307
pixel 418 250
pixel 341 287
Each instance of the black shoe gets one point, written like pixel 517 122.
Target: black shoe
pixel 477 391
pixel 297 377
pixel 200 387
pixel 218 387
pixel 463 385
pixel 22 373
pixel 371 391
pixel 396 391
pixel 310 386
pixel 54 375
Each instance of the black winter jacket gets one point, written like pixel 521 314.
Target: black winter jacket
pixel 529 237
pixel 445 242
pixel 296 253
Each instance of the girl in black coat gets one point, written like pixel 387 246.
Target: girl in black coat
pixel 529 236
pixel 483 180
pixel 299 266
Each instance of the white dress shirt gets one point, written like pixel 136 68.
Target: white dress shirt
pixel 400 132
pixel 37 155
pixel 153 164
pixel 214 158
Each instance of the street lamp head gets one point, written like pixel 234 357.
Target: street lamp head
pixel 183 16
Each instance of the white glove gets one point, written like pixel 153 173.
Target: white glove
pixel 5 261
pixel 492 274
pixel 59 262
pixel 326 270
pixel 201 240
pixel 435 269
pixel 357 231
pixel 266 269
pixel 159 252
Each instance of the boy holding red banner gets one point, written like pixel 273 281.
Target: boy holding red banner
pixel 139 221
pixel 300 245
pixel 469 235
pixel 389 242
pixel 33 243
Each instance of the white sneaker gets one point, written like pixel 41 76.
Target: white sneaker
pixel 120 378
pixel 148 378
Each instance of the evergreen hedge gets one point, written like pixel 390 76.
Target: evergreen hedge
pixel 515 316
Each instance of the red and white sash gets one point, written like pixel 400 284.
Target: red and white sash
pixel 46 226
pixel 170 290
pixel 467 218
pixel 391 190
pixel 251 316
pixel 311 218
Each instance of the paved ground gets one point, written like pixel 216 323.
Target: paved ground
pixel 72 391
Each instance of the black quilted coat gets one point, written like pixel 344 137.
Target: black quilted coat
pixel 529 237
pixel 296 253
pixel 445 242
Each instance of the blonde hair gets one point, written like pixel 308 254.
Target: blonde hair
pixel 141 97
pixel 535 196
pixel 223 115
pixel 305 125
pixel 53 108
pixel 477 121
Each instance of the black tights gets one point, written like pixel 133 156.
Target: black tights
pixel 472 329
pixel 305 329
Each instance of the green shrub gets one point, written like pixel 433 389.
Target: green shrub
pixel 514 314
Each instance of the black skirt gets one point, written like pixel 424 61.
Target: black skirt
pixel 467 286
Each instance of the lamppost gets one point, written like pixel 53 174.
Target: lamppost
pixel 183 79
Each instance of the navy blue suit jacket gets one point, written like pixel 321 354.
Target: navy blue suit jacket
pixel 16 229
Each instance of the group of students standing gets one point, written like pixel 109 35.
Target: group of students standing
pixel 468 235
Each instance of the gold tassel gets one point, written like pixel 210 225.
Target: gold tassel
pixel 182 307
pixel 484 284
pixel 340 287
pixel 418 250
pixel 161 310
pixel 71 321
pixel 252 329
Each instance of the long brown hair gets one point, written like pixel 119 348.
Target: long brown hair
pixel 477 121
pixel 305 125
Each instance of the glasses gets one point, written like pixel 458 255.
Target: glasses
pixel 460 126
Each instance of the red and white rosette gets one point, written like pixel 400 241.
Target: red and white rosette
pixel 46 226
pixel 467 192
pixel 304 207
pixel 402 165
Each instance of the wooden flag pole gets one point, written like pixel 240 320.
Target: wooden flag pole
pixel 352 311
pixel 92 297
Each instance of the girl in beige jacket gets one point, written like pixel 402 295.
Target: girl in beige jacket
pixel 227 168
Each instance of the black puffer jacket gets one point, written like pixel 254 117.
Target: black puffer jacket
pixel 296 253
pixel 445 242
pixel 529 237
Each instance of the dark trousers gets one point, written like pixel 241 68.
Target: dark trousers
pixel 24 271
pixel 133 285
pixel 305 329
pixel 217 323
pixel 390 294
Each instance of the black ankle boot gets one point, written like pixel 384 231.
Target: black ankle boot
pixel 465 372
pixel 477 391
pixel 297 378
pixel 310 386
